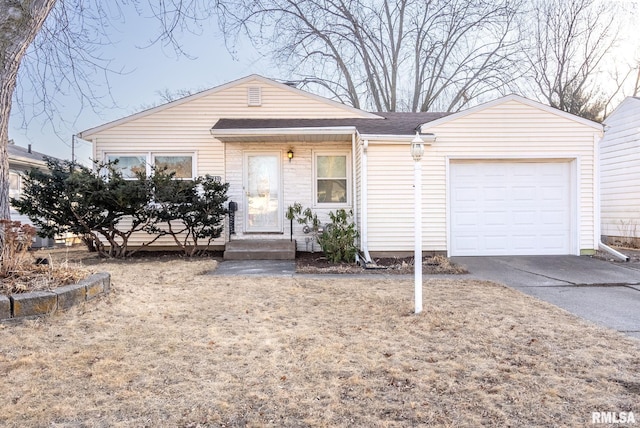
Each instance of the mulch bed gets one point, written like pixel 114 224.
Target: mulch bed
pixel 318 263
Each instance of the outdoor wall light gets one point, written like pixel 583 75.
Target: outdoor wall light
pixel 290 154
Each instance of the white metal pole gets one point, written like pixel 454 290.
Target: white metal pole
pixel 417 264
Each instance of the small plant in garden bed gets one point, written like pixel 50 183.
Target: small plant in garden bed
pixel 337 239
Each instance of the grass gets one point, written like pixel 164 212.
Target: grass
pixel 173 346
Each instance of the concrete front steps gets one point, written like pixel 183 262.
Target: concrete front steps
pixel 262 249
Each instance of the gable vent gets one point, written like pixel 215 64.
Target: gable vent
pixel 254 96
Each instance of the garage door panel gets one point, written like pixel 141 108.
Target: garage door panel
pixel 510 208
pixel 524 218
pixel 466 194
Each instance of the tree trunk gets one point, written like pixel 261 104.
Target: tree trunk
pixel 20 21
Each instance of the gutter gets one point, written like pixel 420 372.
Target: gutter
pixel 354 185
pixel 238 132
pixel 378 139
pixel 616 254
pixel 364 239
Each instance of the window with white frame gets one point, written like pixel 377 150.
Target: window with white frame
pixel 130 164
pixel 180 165
pixel 331 178
pixel 15 182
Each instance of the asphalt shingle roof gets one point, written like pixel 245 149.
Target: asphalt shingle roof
pixel 391 123
pixel 17 151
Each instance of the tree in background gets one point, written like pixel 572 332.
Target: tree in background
pixel 411 55
pixel 414 55
pixel 570 42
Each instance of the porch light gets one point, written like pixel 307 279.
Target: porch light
pixel 417 150
pixel 290 154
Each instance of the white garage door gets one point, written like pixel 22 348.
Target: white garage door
pixel 510 208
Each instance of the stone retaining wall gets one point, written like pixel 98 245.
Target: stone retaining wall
pixel 38 303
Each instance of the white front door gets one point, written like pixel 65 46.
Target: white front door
pixel 262 189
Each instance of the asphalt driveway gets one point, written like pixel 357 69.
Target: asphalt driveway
pixel 606 293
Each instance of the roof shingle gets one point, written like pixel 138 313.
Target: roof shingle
pixel 390 123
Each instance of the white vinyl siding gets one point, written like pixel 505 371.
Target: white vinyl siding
pixel 620 172
pixel 297 184
pixel 185 127
pixel 509 130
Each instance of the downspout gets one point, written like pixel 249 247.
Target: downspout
pixel 354 186
pixel 364 239
pixel 597 214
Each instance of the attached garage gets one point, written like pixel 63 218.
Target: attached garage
pixel 512 207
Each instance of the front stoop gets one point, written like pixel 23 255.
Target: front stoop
pixel 263 249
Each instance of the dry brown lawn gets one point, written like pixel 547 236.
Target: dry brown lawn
pixel 174 347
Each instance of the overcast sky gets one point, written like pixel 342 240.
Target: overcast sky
pixel 153 69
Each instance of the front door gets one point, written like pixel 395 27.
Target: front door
pixel 262 191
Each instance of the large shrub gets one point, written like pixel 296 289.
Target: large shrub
pixel 106 209
pixel 191 212
pixel 74 199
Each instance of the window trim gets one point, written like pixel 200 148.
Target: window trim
pixel 128 154
pixel 17 191
pixel 176 154
pixel 348 177
pixel 150 159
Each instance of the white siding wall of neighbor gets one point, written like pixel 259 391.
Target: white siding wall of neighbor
pixel 620 173
pixel 184 127
pixel 510 130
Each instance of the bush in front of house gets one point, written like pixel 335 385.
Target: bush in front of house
pixel 337 240
pixel 190 211
pixel 71 198
pixel 106 209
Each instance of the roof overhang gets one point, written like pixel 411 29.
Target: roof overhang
pixel 285 135
pixel 26 162
pixel 397 139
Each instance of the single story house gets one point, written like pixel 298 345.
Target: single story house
pixel 509 177
pixel 620 174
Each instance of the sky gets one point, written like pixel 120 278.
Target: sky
pixel 150 69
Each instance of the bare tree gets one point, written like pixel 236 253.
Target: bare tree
pixel 51 47
pixel 386 55
pixel 571 39
pixel 20 22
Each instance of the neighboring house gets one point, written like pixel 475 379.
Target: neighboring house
pixel 508 177
pixel 21 160
pixel 620 174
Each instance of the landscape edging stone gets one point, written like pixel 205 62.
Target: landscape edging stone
pixel 21 306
